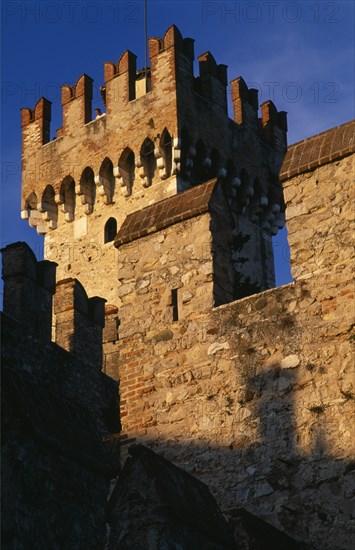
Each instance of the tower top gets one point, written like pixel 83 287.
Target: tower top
pixel 162 124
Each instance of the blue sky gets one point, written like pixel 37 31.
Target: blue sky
pixel 299 54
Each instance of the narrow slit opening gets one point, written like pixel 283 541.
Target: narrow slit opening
pixel 174 303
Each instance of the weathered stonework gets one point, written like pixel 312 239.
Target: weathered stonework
pixel 56 406
pixel 144 149
pixel 256 400
pixel 55 471
pixel 255 397
pixel 320 212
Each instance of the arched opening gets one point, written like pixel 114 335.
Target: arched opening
pixel 235 188
pixel 244 178
pixel 201 164
pixel 274 204
pixel 244 191
pixel 148 161
pixel 126 166
pixel 31 202
pixel 88 188
pixel 213 172
pixel 110 231
pixel 231 171
pixel 107 179
pixel 230 182
pixel 48 204
pixel 275 195
pixel 30 211
pixel 67 192
pixel 255 207
pixel 166 152
pixel 185 161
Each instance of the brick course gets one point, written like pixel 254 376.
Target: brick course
pixel 255 396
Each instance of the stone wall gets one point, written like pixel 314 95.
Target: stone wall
pixel 320 208
pixel 57 405
pixel 256 397
pixel 55 471
pixel 144 149
pixel 72 362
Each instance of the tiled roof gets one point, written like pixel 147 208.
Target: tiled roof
pixel 319 149
pixel 301 157
pixel 167 212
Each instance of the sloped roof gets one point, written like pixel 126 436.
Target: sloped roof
pixel 319 149
pixel 300 157
pixel 154 500
pixel 162 214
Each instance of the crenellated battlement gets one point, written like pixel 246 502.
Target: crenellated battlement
pixel 29 288
pixel 167 207
pixel 76 104
pixel 39 118
pixel 164 130
pixel 79 321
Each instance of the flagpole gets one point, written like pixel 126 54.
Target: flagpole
pixel 145 44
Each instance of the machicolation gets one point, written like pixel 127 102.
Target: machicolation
pixel 175 337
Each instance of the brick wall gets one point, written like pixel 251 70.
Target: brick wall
pixel 254 397
pixel 75 183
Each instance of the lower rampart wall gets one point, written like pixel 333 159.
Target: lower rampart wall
pixel 256 399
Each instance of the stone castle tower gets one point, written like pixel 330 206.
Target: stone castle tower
pixel 164 131
pixel 166 207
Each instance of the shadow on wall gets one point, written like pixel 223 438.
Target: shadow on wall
pixel 264 458
pixel 265 447
pixel 278 468
pixel 158 505
pixel 245 258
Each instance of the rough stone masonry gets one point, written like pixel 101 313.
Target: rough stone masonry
pixel 167 207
